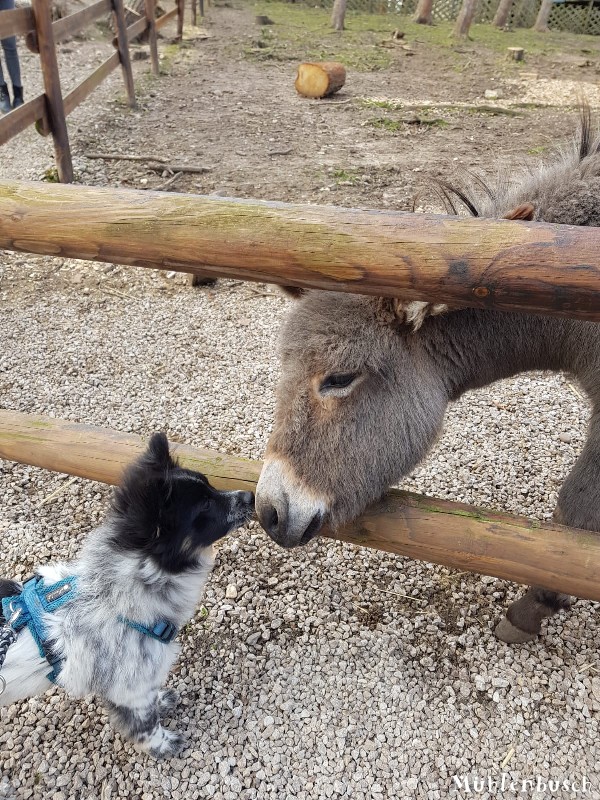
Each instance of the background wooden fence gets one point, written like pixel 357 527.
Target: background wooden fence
pixel 575 17
pixel 49 110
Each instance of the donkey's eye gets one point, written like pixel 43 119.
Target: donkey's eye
pixel 341 381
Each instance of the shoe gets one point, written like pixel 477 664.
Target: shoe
pixel 17 96
pixel 4 99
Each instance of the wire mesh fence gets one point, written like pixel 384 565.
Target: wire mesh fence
pixel 565 16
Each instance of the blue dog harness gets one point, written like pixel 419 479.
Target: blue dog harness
pixel 27 608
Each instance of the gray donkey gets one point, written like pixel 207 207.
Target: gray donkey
pixel 366 381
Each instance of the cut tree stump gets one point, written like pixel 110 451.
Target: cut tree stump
pixel 516 53
pixel 320 79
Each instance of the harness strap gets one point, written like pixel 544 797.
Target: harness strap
pixel 163 631
pixel 35 600
pixel 27 609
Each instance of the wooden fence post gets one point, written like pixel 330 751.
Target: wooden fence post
pixel 53 94
pixel 180 15
pixel 150 7
pixel 123 48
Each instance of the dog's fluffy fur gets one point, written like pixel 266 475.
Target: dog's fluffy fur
pixel 147 562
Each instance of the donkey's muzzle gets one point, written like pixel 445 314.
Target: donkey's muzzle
pixel 275 525
pixel 290 515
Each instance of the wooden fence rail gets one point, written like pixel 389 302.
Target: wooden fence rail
pixel 49 110
pixel 501 264
pixel 452 534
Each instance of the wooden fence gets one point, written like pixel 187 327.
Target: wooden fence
pixel 549 269
pixel 564 16
pixel 48 111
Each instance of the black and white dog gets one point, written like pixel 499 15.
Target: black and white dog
pixel 105 623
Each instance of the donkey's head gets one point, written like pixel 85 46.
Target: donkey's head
pixel 358 406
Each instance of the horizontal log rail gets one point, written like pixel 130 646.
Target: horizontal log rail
pixel 72 24
pixel 16 22
pixel 80 93
pixel 21 118
pixel 135 30
pixel 533 267
pixel 162 21
pixel 452 534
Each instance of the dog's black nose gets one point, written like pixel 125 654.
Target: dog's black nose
pixel 247 499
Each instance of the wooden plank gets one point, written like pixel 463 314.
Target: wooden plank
pixel 21 118
pixel 16 22
pixel 54 101
pixel 123 48
pixel 162 21
pixel 180 16
pixel 502 264
pixel 150 6
pixel 86 87
pixel 453 534
pixel 133 31
pixel 74 23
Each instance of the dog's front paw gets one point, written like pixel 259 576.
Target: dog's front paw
pixel 167 701
pixel 165 744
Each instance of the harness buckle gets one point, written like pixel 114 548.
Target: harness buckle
pixel 164 631
pixel 15 614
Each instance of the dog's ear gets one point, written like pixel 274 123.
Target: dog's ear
pixel 395 312
pixel 157 455
pixel 146 480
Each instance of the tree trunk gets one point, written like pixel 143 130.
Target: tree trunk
pixel 541 23
pixel 465 18
pixel 338 15
pixel 503 13
pixel 424 12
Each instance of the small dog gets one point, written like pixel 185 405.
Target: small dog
pixel 105 623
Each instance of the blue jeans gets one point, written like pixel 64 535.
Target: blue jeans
pixel 10 51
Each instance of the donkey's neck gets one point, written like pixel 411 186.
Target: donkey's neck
pixel 474 348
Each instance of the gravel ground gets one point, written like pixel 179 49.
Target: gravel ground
pixel 328 672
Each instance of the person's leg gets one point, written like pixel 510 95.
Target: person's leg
pixel 4 96
pixel 11 56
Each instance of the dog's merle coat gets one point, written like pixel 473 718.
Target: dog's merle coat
pixel 148 561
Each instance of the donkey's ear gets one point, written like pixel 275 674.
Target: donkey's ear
pixel 525 212
pixel 295 292
pixel 393 311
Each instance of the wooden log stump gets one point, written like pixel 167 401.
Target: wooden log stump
pixel 516 53
pixel 320 79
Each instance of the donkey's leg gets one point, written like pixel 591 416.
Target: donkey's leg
pixel 523 620
pixel 578 506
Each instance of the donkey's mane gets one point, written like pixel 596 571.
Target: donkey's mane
pixel 548 187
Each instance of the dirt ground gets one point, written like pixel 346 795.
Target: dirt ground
pixel 240 117
pixel 227 103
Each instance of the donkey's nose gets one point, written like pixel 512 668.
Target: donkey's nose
pixel 273 518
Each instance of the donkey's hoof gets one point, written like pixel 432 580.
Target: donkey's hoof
pixel 507 632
